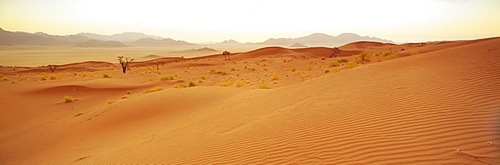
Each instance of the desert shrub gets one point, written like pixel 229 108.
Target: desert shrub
pixel 333 64
pixel 225 84
pixel 323 58
pixel 78 114
pixel 363 58
pixel 275 77
pixel 309 67
pixel 327 71
pixel 68 99
pixel 52 77
pixel 43 78
pixel 293 69
pixel 342 60
pixel 414 53
pixel 352 65
pixel 13 82
pixel 240 83
pixel 192 84
pixel 233 69
pixel 85 75
pixel 203 77
pixel 128 92
pixel 212 70
pixel 154 89
pixel 105 75
pixel 125 96
pixel 110 101
pixel 264 86
pixel 167 78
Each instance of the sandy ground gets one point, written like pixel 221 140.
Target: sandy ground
pixel 432 104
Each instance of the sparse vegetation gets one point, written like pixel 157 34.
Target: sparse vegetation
pixel 226 55
pixel 125 96
pixel 225 84
pixel 333 64
pixel 167 78
pixel 335 52
pixel 105 75
pixel 191 84
pixel 125 62
pixel 110 101
pixel 342 60
pixel 275 77
pixel 363 58
pixel 154 89
pixel 352 65
pixel 263 85
pixel 52 68
pixel 203 77
pixel 68 99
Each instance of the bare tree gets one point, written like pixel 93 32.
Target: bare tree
pixel 335 52
pixel 159 63
pixel 52 68
pixel 226 55
pixel 125 62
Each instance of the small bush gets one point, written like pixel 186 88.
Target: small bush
pixel 13 82
pixel 68 99
pixel 192 84
pixel 233 68
pixel 327 71
pixel 323 58
pixel 203 77
pixel 240 83
pixel 342 60
pixel 309 67
pixel 212 70
pixel 125 96
pixel 363 58
pixel 225 84
pixel 167 78
pixel 154 89
pixel 105 75
pixel 52 77
pixel 264 86
pixel 352 65
pixel 293 69
pixel 275 77
pixel 333 64
pixel 110 101
pixel 128 92
pixel 43 78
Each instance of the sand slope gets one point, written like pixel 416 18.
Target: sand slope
pixel 413 110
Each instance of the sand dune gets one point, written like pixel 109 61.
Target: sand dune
pixel 414 110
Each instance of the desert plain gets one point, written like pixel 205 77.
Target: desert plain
pixel 413 103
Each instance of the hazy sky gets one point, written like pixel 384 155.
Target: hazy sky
pixel 257 20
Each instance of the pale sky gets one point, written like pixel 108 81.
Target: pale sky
pixel 257 20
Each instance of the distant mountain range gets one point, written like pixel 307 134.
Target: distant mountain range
pixel 140 39
pixel 320 39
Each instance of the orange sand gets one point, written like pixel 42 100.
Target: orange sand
pixel 415 109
